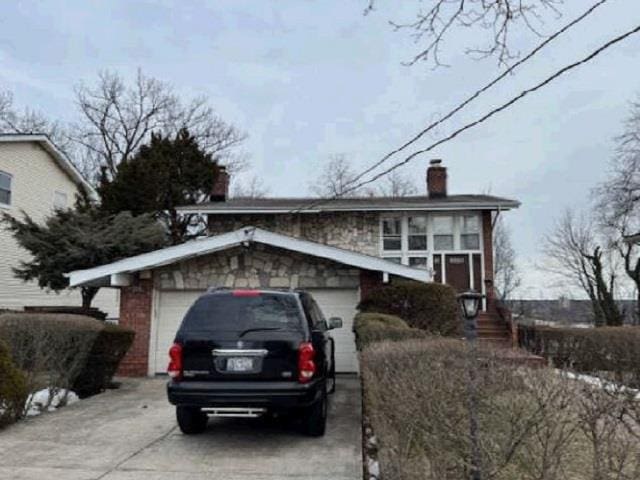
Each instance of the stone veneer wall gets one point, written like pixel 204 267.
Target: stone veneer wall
pixel 257 266
pixel 356 231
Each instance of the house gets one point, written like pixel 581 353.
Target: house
pixel 338 250
pixel 36 178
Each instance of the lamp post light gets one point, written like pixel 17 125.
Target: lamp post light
pixel 469 307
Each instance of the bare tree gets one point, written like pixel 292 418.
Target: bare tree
pixel 252 187
pixel 396 185
pixel 28 121
pixel 573 253
pixel 335 178
pixel 507 277
pixel 493 22
pixel 618 203
pixel 117 118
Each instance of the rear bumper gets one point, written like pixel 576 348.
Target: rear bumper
pixel 270 395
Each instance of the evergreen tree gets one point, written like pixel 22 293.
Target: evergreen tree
pixel 163 175
pixel 80 238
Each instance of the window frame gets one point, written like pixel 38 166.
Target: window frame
pixel 10 177
pixel 404 254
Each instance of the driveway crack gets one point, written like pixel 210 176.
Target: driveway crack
pixel 137 452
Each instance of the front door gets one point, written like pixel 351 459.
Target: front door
pixel 457 272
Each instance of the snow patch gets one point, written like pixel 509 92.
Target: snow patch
pixel 49 400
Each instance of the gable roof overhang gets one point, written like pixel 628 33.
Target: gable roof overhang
pixel 308 205
pixel 59 157
pixel 115 274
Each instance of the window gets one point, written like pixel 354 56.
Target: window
pixel 5 188
pixel 59 200
pixel 418 262
pixel 442 232
pixel 470 232
pixel 391 234
pixel 397 260
pixel 417 233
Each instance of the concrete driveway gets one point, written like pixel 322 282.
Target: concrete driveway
pixel 130 433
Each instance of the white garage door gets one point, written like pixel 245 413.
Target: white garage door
pixel 341 303
pixel 172 305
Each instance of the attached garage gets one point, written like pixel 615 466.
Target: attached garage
pixel 171 305
pixel 157 288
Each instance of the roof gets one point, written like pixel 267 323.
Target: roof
pixel 316 205
pixel 60 158
pixel 111 273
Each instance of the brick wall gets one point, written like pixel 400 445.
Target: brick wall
pixel 369 280
pixel 135 313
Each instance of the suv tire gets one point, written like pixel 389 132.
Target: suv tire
pixel 191 420
pixel 315 420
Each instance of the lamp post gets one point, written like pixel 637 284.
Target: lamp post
pixel 469 307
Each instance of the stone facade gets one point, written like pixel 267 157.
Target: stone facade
pixel 356 231
pixel 257 266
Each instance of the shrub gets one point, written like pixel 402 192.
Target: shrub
pixel 428 306
pixel 107 352
pixel 51 349
pixel 612 352
pixel 377 327
pixel 13 389
pixel 532 423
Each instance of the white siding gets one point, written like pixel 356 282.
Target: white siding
pixel 36 178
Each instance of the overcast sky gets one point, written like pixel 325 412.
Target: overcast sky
pixel 307 79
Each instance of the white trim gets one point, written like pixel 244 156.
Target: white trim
pixel 61 159
pixel 243 236
pixel 153 333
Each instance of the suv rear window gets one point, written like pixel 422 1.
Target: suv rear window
pixel 226 312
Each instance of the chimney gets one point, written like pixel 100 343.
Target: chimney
pixel 220 190
pixel 436 179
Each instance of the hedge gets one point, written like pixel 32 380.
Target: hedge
pixel 107 352
pixel 377 327
pixel 429 306
pixel 64 351
pixel 13 389
pixel 613 352
pixel 531 423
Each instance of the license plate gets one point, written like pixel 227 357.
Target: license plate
pixel 239 364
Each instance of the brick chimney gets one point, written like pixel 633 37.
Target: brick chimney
pixel 436 179
pixel 220 190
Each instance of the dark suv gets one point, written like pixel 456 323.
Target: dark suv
pixel 252 352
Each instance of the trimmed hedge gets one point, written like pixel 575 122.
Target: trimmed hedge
pixel 64 351
pixel 610 351
pixel 13 389
pixel 107 352
pixel 377 327
pixel 429 306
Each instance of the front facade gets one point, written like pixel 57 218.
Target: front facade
pixel 36 178
pixel 337 250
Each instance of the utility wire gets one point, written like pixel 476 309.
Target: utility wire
pixel 483 118
pixel 475 95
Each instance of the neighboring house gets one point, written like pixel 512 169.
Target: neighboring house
pixel 36 178
pixel 338 250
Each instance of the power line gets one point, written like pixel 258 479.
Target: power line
pixel 475 95
pixel 483 118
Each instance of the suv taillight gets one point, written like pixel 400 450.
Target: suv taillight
pixel 306 365
pixel 175 361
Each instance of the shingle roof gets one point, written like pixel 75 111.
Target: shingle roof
pixel 315 205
